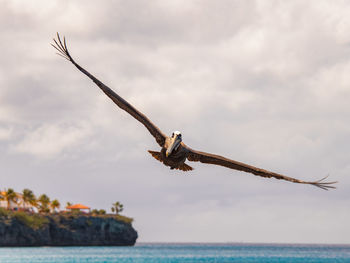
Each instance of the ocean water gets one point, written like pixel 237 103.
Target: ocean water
pixel 173 253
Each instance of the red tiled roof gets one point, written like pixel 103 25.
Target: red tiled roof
pixel 78 206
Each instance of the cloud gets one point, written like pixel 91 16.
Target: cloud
pixel 49 141
pixel 265 83
pixel 5 133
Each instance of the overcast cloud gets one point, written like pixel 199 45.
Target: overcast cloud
pixel 263 82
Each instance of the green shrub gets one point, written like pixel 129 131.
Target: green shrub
pixel 4 212
pixel 94 212
pixel 124 219
pixel 76 212
pixel 34 221
pixel 102 212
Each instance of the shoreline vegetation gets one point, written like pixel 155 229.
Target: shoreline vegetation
pixel 37 220
pixel 26 201
pixel 29 221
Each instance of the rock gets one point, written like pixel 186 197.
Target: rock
pixel 21 229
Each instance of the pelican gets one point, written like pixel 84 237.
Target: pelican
pixel 174 153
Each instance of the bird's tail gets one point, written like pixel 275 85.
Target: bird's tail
pixel 158 156
pixel 184 167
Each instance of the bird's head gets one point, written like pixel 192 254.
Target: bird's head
pixel 175 140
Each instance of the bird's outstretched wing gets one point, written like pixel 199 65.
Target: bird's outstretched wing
pixel 62 49
pixel 203 157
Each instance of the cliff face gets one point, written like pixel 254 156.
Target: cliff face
pixel 64 230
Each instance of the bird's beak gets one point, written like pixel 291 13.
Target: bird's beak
pixel 174 143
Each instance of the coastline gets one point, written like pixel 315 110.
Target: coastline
pixel 19 229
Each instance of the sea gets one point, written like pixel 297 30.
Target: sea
pixel 174 253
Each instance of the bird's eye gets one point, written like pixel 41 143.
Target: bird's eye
pixel 172 135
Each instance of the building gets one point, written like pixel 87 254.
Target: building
pixel 16 204
pixel 78 207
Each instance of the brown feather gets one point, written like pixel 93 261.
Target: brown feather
pixel 184 167
pixel 119 101
pixel 203 157
pixel 156 155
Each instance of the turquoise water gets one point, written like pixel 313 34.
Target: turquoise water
pixel 173 253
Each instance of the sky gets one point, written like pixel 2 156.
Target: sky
pixel 261 82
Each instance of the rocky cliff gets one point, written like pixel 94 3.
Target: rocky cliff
pixel 23 229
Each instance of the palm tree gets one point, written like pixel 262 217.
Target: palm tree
pixel 44 201
pixel 101 212
pixel 55 204
pixel 10 196
pixel 34 202
pixel 2 197
pixel 28 197
pixel 117 207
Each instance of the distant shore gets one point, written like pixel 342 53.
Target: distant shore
pixel 19 229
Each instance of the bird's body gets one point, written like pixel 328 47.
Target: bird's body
pixel 177 158
pixel 174 153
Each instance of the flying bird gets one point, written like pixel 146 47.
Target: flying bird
pixel 174 153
